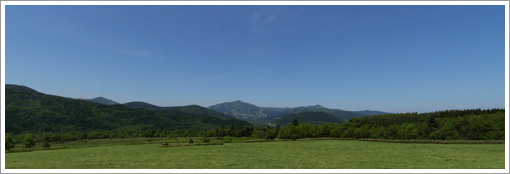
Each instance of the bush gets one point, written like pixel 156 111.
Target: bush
pixel 447 132
pixel 29 141
pixel 190 141
pixel 46 145
pixel 104 136
pixel 271 134
pixel 205 139
pixel 9 142
pixel 94 135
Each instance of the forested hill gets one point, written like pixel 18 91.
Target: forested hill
pixel 102 100
pixel 141 105
pixel 341 114
pixel 310 117
pixel 30 111
pixel 191 109
pixel 243 110
pixel 247 111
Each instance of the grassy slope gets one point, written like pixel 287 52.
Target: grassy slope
pixel 332 154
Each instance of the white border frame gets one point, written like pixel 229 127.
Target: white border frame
pixel 4 3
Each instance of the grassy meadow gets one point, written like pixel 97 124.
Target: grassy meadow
pixel 313 154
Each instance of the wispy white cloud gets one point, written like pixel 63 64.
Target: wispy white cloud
pixel 263 15
pixel 265 18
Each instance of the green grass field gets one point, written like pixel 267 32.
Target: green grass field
pixel 316 154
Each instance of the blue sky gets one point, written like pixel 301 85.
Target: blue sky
pixel 387 58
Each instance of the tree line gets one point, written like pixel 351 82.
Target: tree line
pixel 474 124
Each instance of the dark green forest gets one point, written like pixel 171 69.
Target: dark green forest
pixel 32 112
pixel 48 118
pixel 474 124
pixel 313 117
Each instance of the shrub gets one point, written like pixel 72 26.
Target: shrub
pixel 205 139
pixel 190 141
pixel 213 143
pixel 46 145
pixel 104 136
pixel 9 142
pixel 447 132
pixel 94 135
pixel 29 141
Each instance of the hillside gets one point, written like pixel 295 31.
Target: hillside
pixel 317 108
pixel 199 110
pixel 30 111
pixel 102 100
pixel 142 105
pixel 309 117
pixel 244 110
pixel 191 109
pixel 264 115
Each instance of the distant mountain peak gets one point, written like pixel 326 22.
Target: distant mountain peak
pixel 317 106
pixel 102 100
pixel 238 109
pixel 143 105
pixel 238 101
pixel 20 88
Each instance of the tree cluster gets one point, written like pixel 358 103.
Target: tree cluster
pixel 475 124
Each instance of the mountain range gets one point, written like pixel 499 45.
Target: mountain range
pixel 253 113
pixel 259 115
pixel 192 109
pixel 28 110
